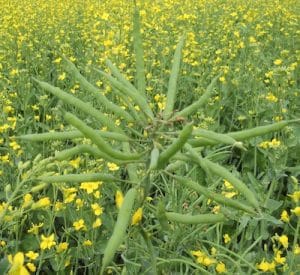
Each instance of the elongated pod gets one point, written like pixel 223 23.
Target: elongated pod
pixel 172 87
pixel 194 107
pixel 119 231
pixel 98 140
pixel 107 104
pixel 195 219
pixel 175 146
pixel 83 106
pixel 78 178
pixel 214 196
pixel 136 97
pixel 139 54
pixel 71 135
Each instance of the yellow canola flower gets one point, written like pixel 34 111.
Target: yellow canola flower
pixel 35 228
pixel 97 223
pixel 119 198
pixel 278 259
pixel 90 186
pixel 98 210
pixel 226 238
pixel 112 166
pixel 283 240
pixel 266 266
pixel 137 216
pixel 31 267
pixel 285 216
pixel 27 200
pixel 17 265
pixel 295 196
pixel 296 211
pixel 62 76
pixel 221 268
pixel 87 243
pixel 297 250
pixel 31 255
pixel 79 224
pixel 47 242
pixel 228 185
pixel 41 203
pixel 75 162
pixel 277 62
pixel 62 247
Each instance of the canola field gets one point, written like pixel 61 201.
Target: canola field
pixel 172 137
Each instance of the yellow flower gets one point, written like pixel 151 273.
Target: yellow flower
pixel 79 225
pixel 228 185
pixel 283 239
pixel 62 247
pixel 207 261
pixel 216 209
pixel 266 266
pixel 285 216
pixel 277 62
pixel 222 79
pixel 227 238
pixel 119 198
pixel 27 200
pixel 79 203
pixel 87 243
pixel 97 223
pixel 137 216
pixel 98 210
pixel 274 143
pixel 220 268
pixel 31 255
pixel 31 267
pixel 112 166
pixel 57 60
pixel 62 76
pixel 278 259
pixel 90 186
pixel 296 211
pixel 17 265
pixel 229 194
pixel 295 196
pixel 75 162
pixel 47 242
pixel 2 243
pixel 271 97
pixel 213 251
pixel 297 250
pixel 41 203
pixel 35 228
pixel 197 253
pixel 58 206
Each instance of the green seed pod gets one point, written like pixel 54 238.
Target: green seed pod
pixel 78 178
pixel 136 97
pixel 195 219
pixel 119 231
pixel 71 135
pixel 172 87
pixel 194 107
pixel 107 104
pixel 176 145
pixel 98 140
pixel 161 216
pixel 81 149
pixel 83 106
pixel 139 54
pixel 214 196
pixel 154 158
